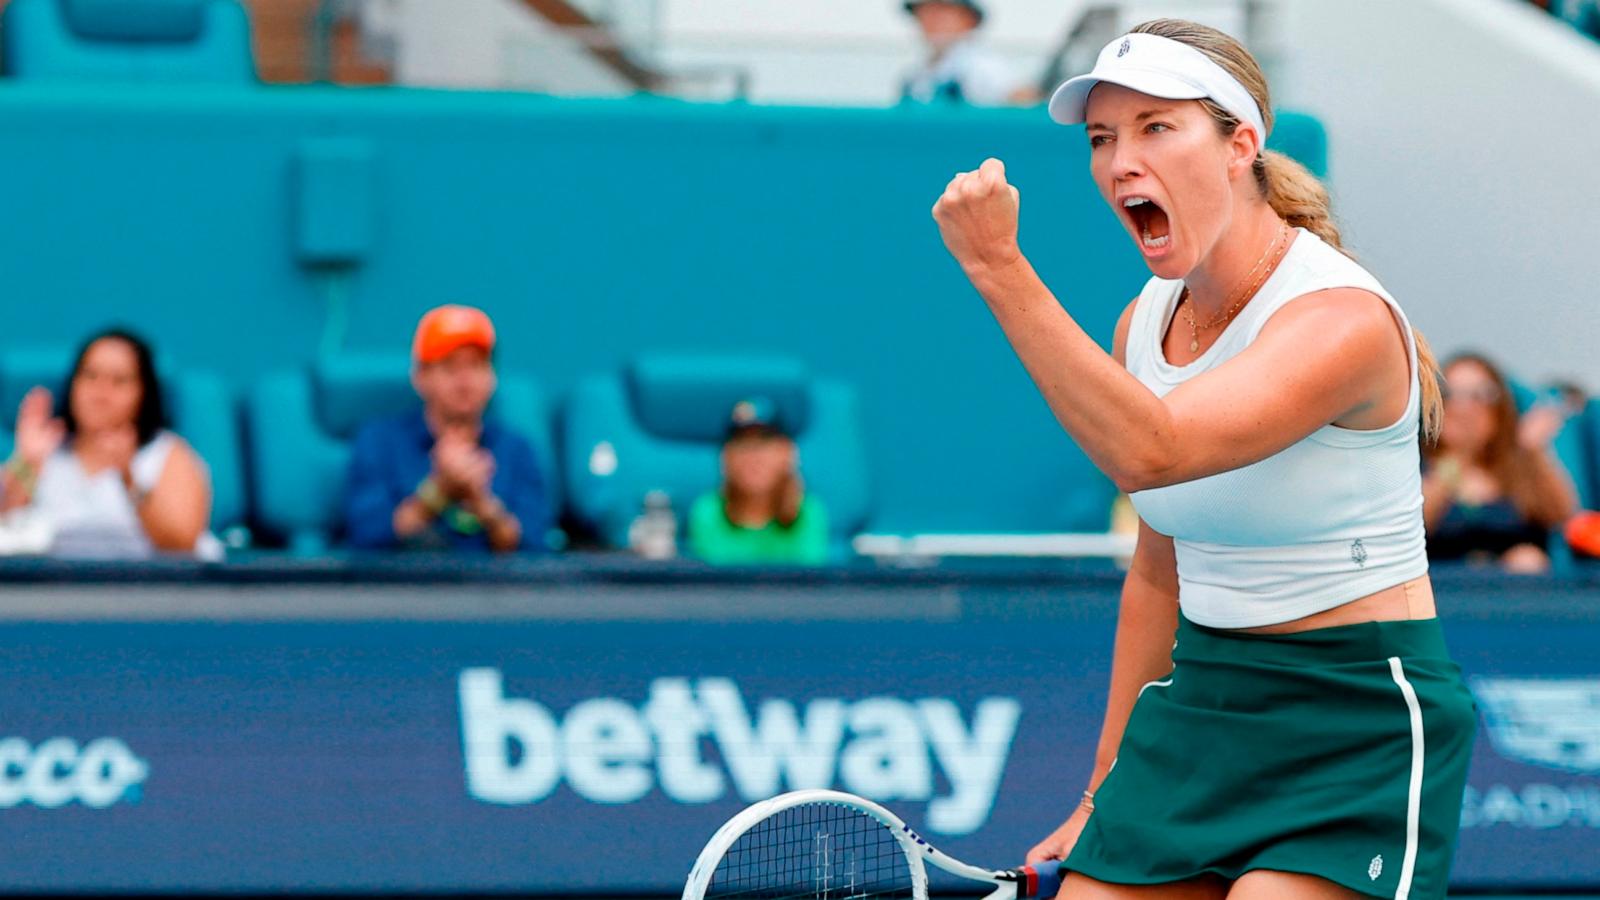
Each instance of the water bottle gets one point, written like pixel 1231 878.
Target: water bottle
pixel 654 532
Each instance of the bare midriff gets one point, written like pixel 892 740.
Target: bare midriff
pixel 1409 600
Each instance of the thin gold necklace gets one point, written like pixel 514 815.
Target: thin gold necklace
pixel 1188 311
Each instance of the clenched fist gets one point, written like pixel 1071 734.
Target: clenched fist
pixel 977 216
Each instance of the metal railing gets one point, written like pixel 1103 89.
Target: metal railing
pixel 636 23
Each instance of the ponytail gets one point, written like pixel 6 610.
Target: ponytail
pixel 1300 198
pixel 1297 196
pixel 1432 389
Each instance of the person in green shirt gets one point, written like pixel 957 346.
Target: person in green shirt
pixel 761 514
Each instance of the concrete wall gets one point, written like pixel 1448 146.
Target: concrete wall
pixel 1465 162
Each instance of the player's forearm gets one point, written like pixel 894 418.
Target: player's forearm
pixel 1123 427
pixel 1146 622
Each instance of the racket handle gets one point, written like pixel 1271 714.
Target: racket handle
pixel 1050 876
pixel 1040 880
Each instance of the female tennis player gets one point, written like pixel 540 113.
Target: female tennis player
pixel 1307 736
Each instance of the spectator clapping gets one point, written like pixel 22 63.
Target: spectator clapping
pixel 99 466
pixel 447 476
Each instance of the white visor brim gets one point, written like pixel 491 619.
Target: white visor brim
pixel 1070 103
pixel 1159 67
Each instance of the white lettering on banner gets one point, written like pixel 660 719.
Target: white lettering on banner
pixel 607 747
pixel 57 772
pixel 888 759
pixel 974 764
pixel 489 723
pixel 778 745
pixel 1536 806
pixel 678 723
pixel 884 748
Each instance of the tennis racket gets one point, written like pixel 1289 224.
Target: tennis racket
pixel 828 845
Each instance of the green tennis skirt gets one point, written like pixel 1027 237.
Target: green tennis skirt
pixel 1340 752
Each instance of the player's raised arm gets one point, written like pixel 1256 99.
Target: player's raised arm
pixel 1318 361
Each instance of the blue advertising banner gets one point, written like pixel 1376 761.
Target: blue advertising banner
pixel 530 755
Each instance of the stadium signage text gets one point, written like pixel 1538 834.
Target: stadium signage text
pixel 57 772
pixel 1549 722
pixel 1536 806
pixel 610 751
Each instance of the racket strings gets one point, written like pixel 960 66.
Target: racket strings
pixel 816 851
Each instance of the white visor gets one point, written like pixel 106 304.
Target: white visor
pixel 1160 67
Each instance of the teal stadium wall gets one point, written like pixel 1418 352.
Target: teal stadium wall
pixel 217 219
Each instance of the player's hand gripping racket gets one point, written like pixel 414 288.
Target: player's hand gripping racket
pixel 827 845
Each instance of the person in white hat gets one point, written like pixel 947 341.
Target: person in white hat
pixel 958 68
pixel 1307 734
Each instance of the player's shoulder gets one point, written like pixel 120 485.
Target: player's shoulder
pixel 1353 319
pixel 1350 303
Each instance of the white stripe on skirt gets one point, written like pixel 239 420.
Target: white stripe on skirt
pixel 1147 686
pixel 1414 795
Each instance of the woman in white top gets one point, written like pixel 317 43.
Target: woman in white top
pixel 1307 735
pixel 104 472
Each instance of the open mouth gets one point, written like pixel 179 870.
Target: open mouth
pixel 1150 222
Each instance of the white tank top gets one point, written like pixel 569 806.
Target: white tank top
pixel 1328 520
pixel 92 515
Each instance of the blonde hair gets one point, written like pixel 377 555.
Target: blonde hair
pixel 1295 194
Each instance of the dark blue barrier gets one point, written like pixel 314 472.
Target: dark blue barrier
pixel 296 734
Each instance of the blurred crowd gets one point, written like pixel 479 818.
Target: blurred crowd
pixel 98 468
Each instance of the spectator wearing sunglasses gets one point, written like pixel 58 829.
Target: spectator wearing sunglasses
pixel 1492 489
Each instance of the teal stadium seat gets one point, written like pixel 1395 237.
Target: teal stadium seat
pixel 659 425
pixel 301 425
pixel 195 41
pixel 198 403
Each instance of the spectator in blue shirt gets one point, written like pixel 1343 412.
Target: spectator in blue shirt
pixel 443 477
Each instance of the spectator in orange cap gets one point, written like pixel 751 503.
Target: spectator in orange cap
pixel 444 477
